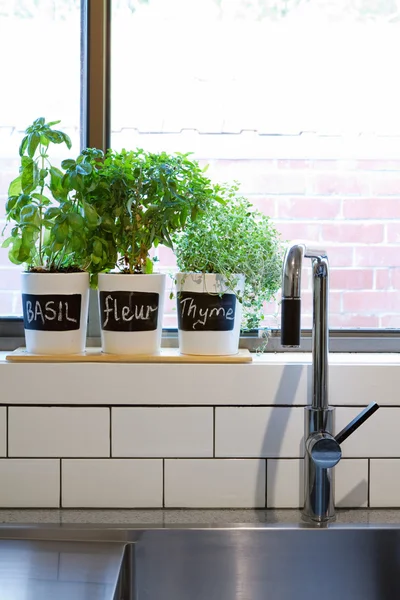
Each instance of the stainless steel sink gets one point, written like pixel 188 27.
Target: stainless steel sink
pixel 275 562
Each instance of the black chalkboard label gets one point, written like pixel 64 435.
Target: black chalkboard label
pixel 52 312
pixel 206 312
pixel 129 311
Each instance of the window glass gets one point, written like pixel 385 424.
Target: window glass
pixel 40 75
pixel 298 101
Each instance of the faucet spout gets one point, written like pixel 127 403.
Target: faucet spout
pixel 291 311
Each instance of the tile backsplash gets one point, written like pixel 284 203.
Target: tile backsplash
pixel 196 436
pixel 196 457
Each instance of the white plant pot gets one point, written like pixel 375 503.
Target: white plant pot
pixel 131 313
pixel 55 307
pixel 209 314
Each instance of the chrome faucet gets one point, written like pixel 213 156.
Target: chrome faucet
pixel 322 448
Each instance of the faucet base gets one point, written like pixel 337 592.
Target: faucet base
pixel 317 520
pixel 318 481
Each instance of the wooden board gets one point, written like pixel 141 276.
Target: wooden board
pixel 167 355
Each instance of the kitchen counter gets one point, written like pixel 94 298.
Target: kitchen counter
pixel 175 518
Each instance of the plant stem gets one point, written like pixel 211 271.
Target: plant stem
pixel 40 213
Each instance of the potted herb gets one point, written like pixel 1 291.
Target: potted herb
pixel 230 262
pixel 141 199
pixel 48 234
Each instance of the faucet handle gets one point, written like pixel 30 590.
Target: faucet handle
pixel 356 422
pixel 324 448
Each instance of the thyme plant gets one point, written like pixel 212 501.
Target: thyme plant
pixel 232 238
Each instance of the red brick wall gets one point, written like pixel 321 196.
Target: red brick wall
pixel 350 208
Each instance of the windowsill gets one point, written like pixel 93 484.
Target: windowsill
pixel 272 379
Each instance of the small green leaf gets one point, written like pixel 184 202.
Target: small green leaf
pixel 14 189
pixel 30 177
pixel 11 202
pixel 43 173
pixel 33 142
pixel 52 212
pixel 54 136
pixel 76 221
pixel 77 242
pixel 98 248
pixel 7 242
pixel 39 121
pixel 30 214
pixel 67 140
pixel 95 259
pixel 149 266
pixel 91 215
pixel 23 145
pixel 61 232
pixel 84 168
pixel 23 200
pixel 56 184
pixel 68 163
pixel 51 123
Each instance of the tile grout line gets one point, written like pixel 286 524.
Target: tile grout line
pixel 7 424
pixel 369 484
pixel 60 501
pixel 214 409
pixel 110 432
pixel 163 482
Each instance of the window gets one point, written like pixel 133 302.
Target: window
pixel 40 78
pixel 296 99
pixel 299 102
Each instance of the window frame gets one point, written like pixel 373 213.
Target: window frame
pixel 95 113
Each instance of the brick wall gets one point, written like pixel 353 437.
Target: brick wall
pixel 350 207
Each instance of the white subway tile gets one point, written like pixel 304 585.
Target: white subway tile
pixel 214 483
pixel 275 432
pixel 29 483
pixel 285 483
pixel 162 432
pixel 362 384
pixel 285 487
pixel 58 432
pixel 385 484
pixel 3 430
pixel 351 483
pixel 112 483
pixel 178 384
pixel 377 437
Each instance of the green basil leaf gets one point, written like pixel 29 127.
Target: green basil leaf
pixel 7 242
pixel 91 215
pixel 56 184
pixel 67 140
pixel 68 163
pixel 76 221
pixel 29 177
pixel 52 212
pixel 30 214
pixel 23 200
pixel 14 189
pixel 11 202
pixel 84 168
pixel 23 145
pixel 61 232
pixel 33 142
